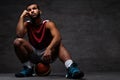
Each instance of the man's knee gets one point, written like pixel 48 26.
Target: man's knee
pixel 17 41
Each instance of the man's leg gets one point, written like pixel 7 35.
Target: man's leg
pixel 22 50
pixel 72 69
pixel 63 53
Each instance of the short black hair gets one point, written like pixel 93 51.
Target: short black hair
pixel 30 2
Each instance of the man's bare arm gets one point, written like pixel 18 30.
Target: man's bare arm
pixel 21 26
pixel 55 33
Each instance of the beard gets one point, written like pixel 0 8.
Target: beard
pixel 34 17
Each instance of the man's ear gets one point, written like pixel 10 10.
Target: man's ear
pixel 40 11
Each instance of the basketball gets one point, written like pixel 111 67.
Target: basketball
pixel 43 69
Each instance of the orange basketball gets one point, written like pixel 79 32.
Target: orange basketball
pixel 43 69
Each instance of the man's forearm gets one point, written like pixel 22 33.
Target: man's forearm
pixel 20 27
pixel 55 42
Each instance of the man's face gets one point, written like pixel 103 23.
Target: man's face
pixel 33 11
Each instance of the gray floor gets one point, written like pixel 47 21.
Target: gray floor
pixel 88 76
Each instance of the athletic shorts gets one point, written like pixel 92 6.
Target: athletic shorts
pixel 37 56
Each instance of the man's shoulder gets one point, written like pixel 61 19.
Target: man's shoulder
pixel 48 22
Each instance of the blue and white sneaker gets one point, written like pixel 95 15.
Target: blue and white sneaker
pixel 73 72
pixel 25 72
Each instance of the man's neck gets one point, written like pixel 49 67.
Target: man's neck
pixel 37 21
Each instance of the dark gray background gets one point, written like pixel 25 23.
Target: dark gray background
pixel 89 28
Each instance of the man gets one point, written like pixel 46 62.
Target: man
pixel 44 44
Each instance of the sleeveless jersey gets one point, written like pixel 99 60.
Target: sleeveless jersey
pixel 39 37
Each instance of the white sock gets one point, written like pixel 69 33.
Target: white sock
pixel 28 64
pixel 68 63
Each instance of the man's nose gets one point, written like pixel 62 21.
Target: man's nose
pixel 32 11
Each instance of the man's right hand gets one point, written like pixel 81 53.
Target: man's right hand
pixel 24 14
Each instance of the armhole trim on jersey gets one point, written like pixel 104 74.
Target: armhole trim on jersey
pixel 28 21
pixel 45 21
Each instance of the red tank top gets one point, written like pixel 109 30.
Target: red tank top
pixel 39 37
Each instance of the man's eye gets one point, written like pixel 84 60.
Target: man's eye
pixel 28 10
pixel 34 8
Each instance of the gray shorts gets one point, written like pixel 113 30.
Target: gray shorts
pixel 38 52
pixel 37 56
